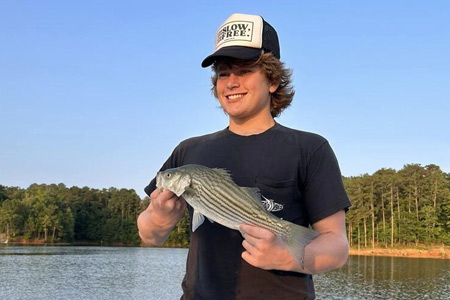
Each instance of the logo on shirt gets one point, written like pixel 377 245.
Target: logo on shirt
pixel 271 205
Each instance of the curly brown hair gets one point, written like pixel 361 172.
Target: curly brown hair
pixel 275 72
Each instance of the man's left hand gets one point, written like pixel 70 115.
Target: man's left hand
pixel 265 250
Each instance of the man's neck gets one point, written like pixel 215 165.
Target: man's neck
pixel 250 127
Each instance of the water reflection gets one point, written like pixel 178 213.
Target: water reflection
pixel 369 277
pixel 75 273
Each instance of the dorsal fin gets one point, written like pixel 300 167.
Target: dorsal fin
pixel 223 173
pixel 254 192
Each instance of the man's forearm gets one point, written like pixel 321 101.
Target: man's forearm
pixel 150 232
pixel 160 217
pixel 327 252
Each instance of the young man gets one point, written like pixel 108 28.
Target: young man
pixel 297 171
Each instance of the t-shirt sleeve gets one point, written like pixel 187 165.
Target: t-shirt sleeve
pixel 171 162
pixel 150 187
pixel 324 191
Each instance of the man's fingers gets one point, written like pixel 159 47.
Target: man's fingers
pixel 247 254
pixel 249 230
pixel 251 255
pixel 253 241
pixel 248 246
pixel 166 195
pixel 248 258
pixel 162 196
pixel 166 201
pixel 256 232
pixel 181 204
pixel 154 194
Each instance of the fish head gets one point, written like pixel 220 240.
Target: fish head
pixel 175 180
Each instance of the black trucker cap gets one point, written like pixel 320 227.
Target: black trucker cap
pixel 245 37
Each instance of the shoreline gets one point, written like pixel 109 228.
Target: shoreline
pixel 438 252
pixel 77 243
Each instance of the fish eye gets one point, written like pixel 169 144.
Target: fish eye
pixel 168 175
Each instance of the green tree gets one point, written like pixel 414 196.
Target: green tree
pixel 3 194
pixel 13 214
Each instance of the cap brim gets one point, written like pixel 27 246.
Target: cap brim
pixel 233 52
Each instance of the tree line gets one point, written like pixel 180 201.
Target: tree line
pixel 389 208
pixel 55 213
pixel 406 207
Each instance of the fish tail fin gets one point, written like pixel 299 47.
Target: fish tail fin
pixel 297 239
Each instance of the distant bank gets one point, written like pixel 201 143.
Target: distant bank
pixel 440 252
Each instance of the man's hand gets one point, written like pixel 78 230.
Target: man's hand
pixel 163 213
pixel 166 208
pixel 326 252
pixel 265 250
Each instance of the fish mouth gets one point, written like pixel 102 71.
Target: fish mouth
pixel 159 182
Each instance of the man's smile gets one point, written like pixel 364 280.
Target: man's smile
pixel 235 96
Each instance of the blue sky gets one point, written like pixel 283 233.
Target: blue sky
pixel 98 93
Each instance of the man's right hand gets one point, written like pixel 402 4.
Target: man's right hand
pixel 161 216
pixel 166 208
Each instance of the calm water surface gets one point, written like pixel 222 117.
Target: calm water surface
pixel 76 273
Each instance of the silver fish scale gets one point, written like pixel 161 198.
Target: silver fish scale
pixel 213 194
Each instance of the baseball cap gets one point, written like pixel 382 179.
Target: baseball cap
pixel 244 37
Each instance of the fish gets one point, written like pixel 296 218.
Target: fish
pixel 213 194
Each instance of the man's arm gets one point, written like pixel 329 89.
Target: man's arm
pixel 326 252
pixel 160 217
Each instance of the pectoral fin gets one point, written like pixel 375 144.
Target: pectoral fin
pixel 197 220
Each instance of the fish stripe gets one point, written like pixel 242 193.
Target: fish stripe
pixel 219 198
pixel 210 203
pixel 226 201
pixel 217 201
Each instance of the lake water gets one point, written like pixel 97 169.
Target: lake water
pixel 75 273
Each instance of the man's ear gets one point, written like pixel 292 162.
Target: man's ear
pixel 273 87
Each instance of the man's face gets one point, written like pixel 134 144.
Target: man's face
pixel 243 91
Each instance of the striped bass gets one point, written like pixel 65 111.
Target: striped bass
pixel 213 194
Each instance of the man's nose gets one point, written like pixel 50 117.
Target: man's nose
pixel 233 81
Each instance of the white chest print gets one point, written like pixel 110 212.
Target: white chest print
pixel 271 205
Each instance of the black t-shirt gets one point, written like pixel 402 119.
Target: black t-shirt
pixel 297 170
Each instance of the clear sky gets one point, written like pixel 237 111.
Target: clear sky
pixel 98 93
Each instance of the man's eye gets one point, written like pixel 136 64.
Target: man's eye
pixel 222 74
